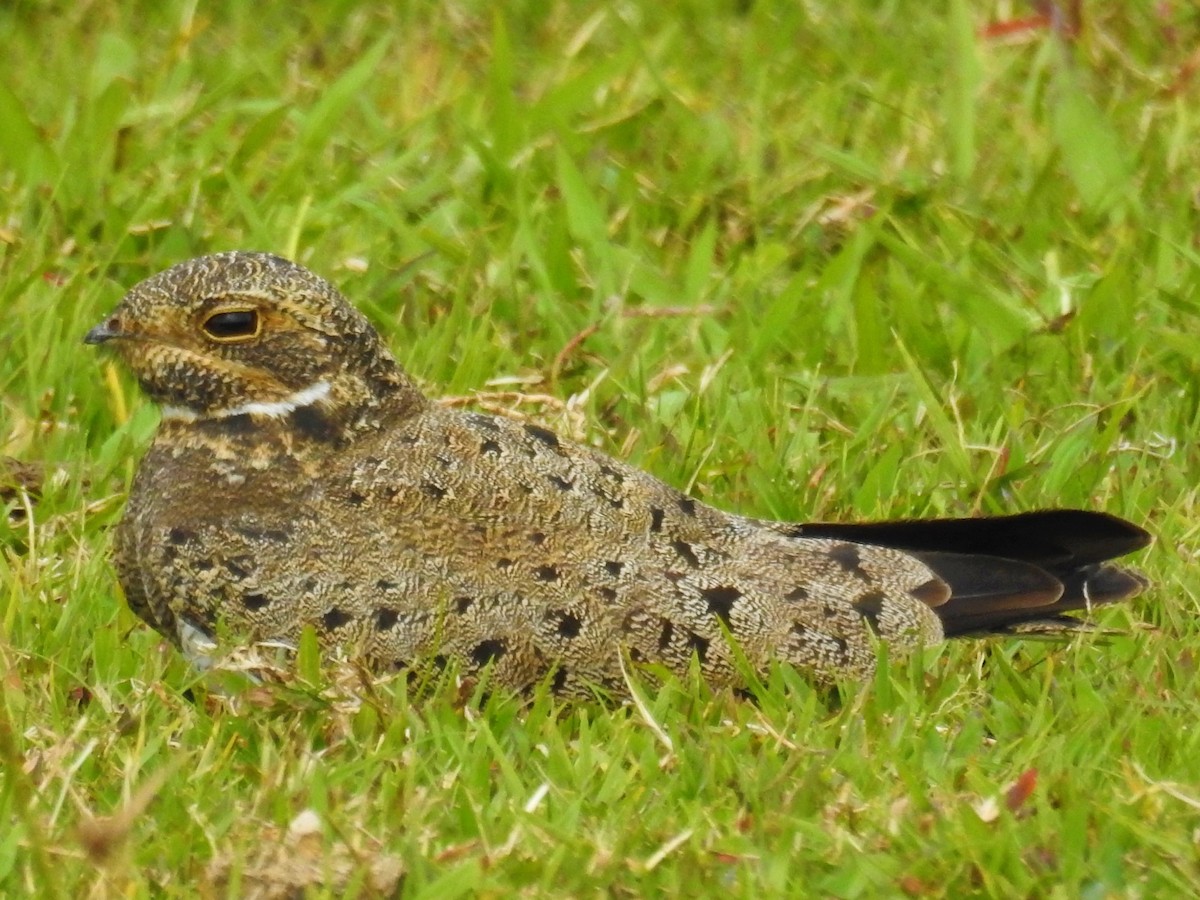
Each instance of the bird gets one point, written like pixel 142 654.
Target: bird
pixel 300 479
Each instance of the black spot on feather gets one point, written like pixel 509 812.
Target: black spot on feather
pixel 486 651
pixel 569 624
pixel 546 573
pixel 547 437
pixel 684 549
pixel 849 558
pixel 560 680
pixel 255 601
pixel 699 644
pixel 720 601
pixel 179 536
pixel 869 606
pixel 310 422
pixel 665 635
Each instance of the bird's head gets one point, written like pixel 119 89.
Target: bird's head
pixel 250 334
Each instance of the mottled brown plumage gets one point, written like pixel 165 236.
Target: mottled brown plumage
pixel 299 477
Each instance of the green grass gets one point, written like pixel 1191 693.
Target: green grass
pixel 828 261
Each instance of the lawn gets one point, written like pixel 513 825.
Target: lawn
pixel 806 260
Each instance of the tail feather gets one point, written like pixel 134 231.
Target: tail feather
pixel 1012 574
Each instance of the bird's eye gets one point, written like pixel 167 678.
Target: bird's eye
pixel 232 325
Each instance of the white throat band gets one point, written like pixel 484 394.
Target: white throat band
pixel 275 409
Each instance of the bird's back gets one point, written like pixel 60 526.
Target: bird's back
pixel 469 536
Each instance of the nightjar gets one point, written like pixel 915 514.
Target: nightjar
pixel 300 478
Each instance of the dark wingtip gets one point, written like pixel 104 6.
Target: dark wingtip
pixel 1085 589
pixel 1055 539
pixel 1007 574
pixel 1099 585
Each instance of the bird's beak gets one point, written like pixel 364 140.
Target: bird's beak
pixel 106 330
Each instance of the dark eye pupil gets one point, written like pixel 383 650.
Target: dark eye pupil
pixel 237 323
